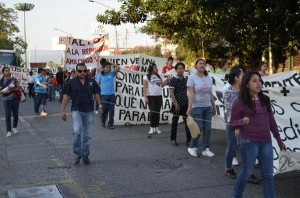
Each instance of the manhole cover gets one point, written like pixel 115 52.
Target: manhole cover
pixel 164 164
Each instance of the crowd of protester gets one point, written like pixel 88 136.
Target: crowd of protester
pixel 247 128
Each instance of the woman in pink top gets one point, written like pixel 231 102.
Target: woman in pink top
pixel 263 69
pixel 253 116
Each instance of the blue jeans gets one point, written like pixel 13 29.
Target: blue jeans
pixel 40 99
pixel 203 118
pixel 82 128
pixel 251 150
pixel 108 107
pixel 11 106
pixel 231 146
pixel 51 93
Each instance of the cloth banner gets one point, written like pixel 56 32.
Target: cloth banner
pixel 136 62
pixel 84 51
pixel 288 161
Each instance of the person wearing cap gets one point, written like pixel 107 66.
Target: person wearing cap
pixel 40 89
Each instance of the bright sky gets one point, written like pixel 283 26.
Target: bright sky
pixel 74 17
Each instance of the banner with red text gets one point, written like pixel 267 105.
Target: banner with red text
pixel 85 51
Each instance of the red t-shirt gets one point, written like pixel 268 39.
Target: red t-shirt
pixel 166 68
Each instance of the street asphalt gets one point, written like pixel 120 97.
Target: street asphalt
pixel 124 162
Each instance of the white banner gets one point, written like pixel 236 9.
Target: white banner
pixel 284 90
pixel 85 51
pixel 136 62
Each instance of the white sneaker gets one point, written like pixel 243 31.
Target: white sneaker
pixel 193 152
pixel 208 153
pixel 151 131
pixel 43 113
pixel 15 130
pixel 256 162
pixel 235 162
pixel 8 134
pixel 157 130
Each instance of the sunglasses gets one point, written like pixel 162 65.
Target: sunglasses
pixel 80 71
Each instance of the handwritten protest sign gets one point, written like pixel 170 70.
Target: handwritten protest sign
pixel 85 51
pixel 288 161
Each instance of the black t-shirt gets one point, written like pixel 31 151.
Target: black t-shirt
pixel 60 78
pixel 180 89
pixel 82 95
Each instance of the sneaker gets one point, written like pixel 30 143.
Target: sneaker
pixel 37 113
pixel 77 160
pixel 151 131
pixel 157 130
pixel 193 152
pixel 15 130
pixel 86 160
pixel 208 153
pixel 8 134
pixel 235 162
pixel 43 113
pixel 230 173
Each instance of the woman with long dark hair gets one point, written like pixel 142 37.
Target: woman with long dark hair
pixel 153 84
pixel 201 106
pixel 263 69
pixel 253 117
pixel 9 85
pixel 230 94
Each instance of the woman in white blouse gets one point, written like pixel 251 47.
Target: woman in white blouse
pixel 153 84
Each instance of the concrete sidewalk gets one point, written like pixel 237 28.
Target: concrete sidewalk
pixel 125 162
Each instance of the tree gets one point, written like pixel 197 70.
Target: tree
pixel 235 28
pixel 8 29
pixel 50 64
pixel 146 50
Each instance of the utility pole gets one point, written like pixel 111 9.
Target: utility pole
pixel 270 55
pixel 126 35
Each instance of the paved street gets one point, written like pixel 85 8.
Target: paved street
pixel 125 162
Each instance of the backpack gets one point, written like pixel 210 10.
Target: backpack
pixel 20 95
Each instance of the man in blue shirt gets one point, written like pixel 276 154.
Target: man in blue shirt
pixel 81 89
pixel 40 89
pixel 106 81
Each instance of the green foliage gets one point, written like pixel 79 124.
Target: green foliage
pixel 8 29
pixel 225 28
pixel 146 50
